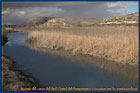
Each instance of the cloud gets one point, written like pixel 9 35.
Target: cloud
pixel 111 5
pixel 7 11
pixel 16 12
pixel 19 13
pixel 42 11
pixel 119 8
pixel 33 11
pixel 119 11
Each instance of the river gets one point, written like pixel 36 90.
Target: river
pixel 52 68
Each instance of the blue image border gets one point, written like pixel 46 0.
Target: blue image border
pixel 63 1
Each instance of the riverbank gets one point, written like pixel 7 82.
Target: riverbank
pixel 13 78
pixel 119 44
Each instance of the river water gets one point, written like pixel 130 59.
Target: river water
pixel 52 68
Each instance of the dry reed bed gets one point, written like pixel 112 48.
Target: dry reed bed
pixel 114 43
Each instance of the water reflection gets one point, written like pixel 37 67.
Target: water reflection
pixel 125 73
pixel 60 68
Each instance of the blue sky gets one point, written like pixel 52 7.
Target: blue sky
pixel 133 7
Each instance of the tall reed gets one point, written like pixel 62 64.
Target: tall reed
pixel 115 43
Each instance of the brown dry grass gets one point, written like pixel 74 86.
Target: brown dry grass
pixel 115 43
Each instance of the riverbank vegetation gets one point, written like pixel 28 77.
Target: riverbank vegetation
pixel 114 43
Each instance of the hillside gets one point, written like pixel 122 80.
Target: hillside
pixel 125 19
pixel 64 22
pixel 83 22
pixel 37 21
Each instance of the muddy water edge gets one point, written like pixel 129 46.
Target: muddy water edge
pixel 13 78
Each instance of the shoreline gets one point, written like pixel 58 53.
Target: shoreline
pixel 122 49
pixel 13 78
